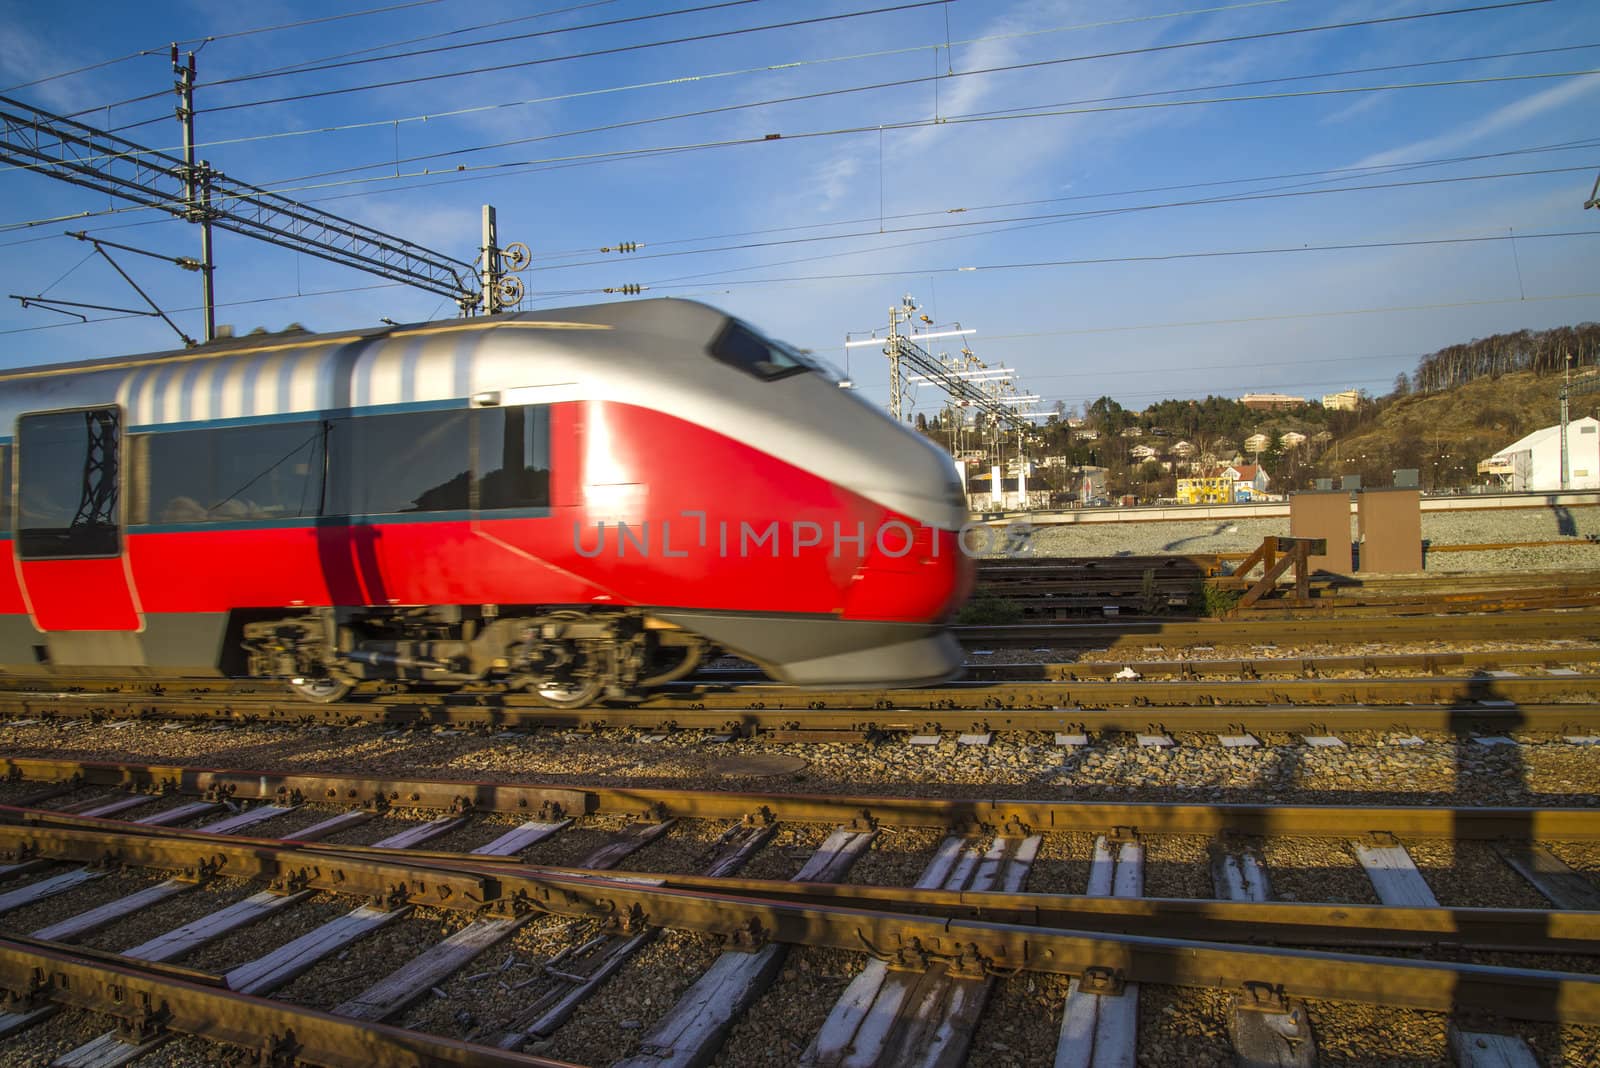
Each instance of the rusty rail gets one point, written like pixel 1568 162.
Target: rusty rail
pixel 781 913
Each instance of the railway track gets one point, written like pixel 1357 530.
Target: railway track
pixel 1059 589
pixel 1170 681
pixel 996 896
pixel 1463 704
pixel 1136 633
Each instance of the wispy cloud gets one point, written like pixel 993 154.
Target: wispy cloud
pixel 1510 115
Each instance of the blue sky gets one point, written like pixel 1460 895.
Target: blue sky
pixel 1148 224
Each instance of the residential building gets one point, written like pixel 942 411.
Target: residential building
pixel 1213 489
pixel 1257 442
pixel 1249 481
pixel 1292 439
pixel 1183 449
pixel 1143 452
pixel 1267 402
pixel 1344 401
pixel 1534 462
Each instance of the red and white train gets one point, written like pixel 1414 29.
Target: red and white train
pixel 580 503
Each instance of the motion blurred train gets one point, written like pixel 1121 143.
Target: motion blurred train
pixel 581 503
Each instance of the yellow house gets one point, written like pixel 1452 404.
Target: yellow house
pixel 1205 490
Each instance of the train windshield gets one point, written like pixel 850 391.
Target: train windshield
pixel 741 346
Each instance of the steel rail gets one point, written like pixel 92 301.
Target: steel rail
pixel 995 813
pixel 779 716
pixel 1274 923
pixel 1081 694
pixel 150 998
pixel 1130 632
pixel 1304 666
pixel 972 947
pixel 1257 923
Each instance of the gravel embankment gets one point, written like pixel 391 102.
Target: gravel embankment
pixel 1373 768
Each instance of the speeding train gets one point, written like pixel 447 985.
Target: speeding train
pixel 582 503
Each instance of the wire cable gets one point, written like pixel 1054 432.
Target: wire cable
pixel 825 93
pixel 1114 54
pixel 1164 257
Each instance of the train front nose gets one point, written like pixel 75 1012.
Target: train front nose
pixel 911 575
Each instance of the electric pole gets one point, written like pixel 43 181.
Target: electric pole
pixel 71 151
pixel 196 188
pixel 1566 385
pixel 892 350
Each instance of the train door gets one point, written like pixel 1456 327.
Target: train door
pixel 71 556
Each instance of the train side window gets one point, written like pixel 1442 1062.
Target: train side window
pixel 265 471
pixel 67 484
pixel 405 462
pixel 513 456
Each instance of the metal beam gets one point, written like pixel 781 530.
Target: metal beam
pixel 70 151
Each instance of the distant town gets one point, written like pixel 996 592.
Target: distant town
pixel 1480 425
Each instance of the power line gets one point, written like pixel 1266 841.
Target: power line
pixel 686 78
pixel 304 68
pixel 902 83
pixel 220 304
pixel 548 162
pixel 1337 313
pixel 293 67
pixel 1330 174
pixel 235 34
pixel 594 53
pixel 85 69
pixel 1031 111
pixel 1166 257
pixel 1115 54
pixel 1232 198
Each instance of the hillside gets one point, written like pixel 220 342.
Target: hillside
pixel 1444 435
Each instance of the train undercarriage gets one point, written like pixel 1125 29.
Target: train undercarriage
pixel 569 657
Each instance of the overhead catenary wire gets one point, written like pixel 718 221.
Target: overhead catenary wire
pixel 303 68
pixel 441 34
pixel 686 78
pixel 912 5
pixel 215 83
pixel 1229 198
pixel 594 53
pixel 902 83
pixel 1163 257
pixel 517 166
pixel 1330 174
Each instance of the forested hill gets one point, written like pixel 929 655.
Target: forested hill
pixel 1540 351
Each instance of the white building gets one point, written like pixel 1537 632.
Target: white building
pixel 1345 401
pixel 1534 462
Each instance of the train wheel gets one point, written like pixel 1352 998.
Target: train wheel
pixel 323 691
pixel 575 693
